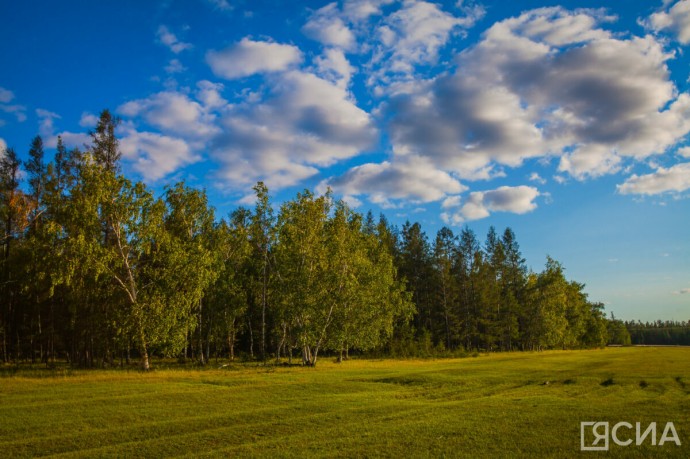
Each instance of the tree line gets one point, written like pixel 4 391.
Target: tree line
pixel 97 270
pixel 669 332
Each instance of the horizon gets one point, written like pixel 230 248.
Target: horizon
pixel 568 125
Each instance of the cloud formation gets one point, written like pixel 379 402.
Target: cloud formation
pixel 250 57
pixel 155 155
pixel 19 111
pixel 675 20
pixel 480 204
pixel 327 27
pixel 414 179
pixel 304 123
pixel 167 38
pixel 173 112
pixel 550 82
pixel 674 179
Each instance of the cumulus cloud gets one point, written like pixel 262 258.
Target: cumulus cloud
pixel 414 179
pixel 674 179
pixel 450 202
pixel 88 120
pixel 413 35
pixel 3 144
pixel 361 10
pixel 155 155
pixel 173 112
pixel 675 20
pixel 305 122
pixel 327 27
pixel 548 83
pixel 167 38
pixel 250 57
pixel 480 204
pixel 210 94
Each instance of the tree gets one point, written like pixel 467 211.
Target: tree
pixel 105 146
pixel 302 261
pixel 228 296
pixel 262 235
pixel 362 284
pixel 190 222
pixel 415 266
pixel 467 263
pixel 444 255
pixel 148 263
pixel 14 210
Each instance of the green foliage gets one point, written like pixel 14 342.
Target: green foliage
pixel 97 269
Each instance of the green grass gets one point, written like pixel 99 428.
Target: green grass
pixel 491 406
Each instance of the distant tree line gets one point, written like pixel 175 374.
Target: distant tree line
pixel 660 332
pixel 97 270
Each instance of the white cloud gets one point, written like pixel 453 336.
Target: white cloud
pixel 352 201
pixel 413 179
pixel 547 83
pixel 69 139
pixel 590 161
pixel 673 179
pixel 250 57
pixel 451 201
pixel 46 129
pixel 361 10
pixel 327 27
pixel 683 291
pixel 19 111
pixel 166 37
pixel 305 122
pixel 173 112
pixel 46 123
pixel 413 35
pixel 88 120
pixel 334 66
pixel 535 177
pixel 175 66
pixel 3 144
pixel 480 204
pixel 154 155
pixel 684 152
pixel 675 20
pixel 209 94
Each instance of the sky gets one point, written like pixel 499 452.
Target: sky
pixel 566 121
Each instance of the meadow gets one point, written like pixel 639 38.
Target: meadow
pixel 498 405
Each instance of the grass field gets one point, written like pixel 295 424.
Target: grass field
pixel 490 406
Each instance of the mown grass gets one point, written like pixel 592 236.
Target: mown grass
pixel 504 405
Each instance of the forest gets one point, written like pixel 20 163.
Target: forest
pixel 97 271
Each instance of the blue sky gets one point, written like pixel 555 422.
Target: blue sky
pixel 567 121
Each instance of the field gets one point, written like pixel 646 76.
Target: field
pixel 503 405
